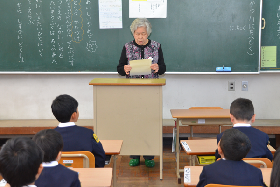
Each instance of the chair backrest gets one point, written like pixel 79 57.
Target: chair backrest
pixel 220 185
pixel 77 159
pixel 259 162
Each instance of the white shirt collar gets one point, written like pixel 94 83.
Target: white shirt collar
pixel 30 186
pixel 50 164
pixel 68 124
pixel 242 125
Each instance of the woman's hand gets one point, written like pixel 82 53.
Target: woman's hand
pixel 127 69
pixel 155 67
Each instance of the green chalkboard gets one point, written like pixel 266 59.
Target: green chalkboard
pixel 271 32
pixel 196 36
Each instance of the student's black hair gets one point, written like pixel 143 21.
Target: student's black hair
pixel 51 142
pixel 63 107
pixel 235 144
pixel 242 109
pixel 275 173
pixel 20 159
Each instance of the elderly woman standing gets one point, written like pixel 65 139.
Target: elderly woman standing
pixel 141 48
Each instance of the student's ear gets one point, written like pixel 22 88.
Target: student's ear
pixel 253 118
pixel 58 156
pixel 232 118
pixel 220 150
pixel 40 169
pixel 73 117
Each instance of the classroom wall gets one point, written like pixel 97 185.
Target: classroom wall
pixel 30 96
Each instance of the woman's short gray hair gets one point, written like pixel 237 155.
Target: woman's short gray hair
pixel 141 22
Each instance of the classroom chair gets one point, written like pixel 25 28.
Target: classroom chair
pixel 259 162
pixel 220 185
pixel 77 159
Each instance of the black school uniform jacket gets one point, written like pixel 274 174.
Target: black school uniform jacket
pixel 229 172
pixel 77 138
pixel 259 141
pixel 59 176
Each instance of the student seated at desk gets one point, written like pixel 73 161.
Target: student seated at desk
pixel 21 162
pixel 231 169
pixel 242 116
pixel 54 174
pixel 75 138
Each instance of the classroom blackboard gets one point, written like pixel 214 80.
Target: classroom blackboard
pixel 64 36
pixel 271 31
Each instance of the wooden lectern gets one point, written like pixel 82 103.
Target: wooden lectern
pixel 129 110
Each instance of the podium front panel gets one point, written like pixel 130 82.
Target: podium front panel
pixel 132 114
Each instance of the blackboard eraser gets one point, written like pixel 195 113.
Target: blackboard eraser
pixel 218 69
pixel 223 69
pixel 227 69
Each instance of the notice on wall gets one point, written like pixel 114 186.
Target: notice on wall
pixel 110 14
pixel 147 8
pixel 268 56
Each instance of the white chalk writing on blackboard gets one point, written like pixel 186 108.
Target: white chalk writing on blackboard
pixel 237 28
pixel 39 27
pixel 77 21
pixel 71 52
pixel 91 44
pixel 59 32
pixel 52 31
pixel 29 14
pixel 74 28
pixel 20 44
pixel 278 23
pixel 251 38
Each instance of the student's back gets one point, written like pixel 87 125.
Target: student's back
pixel 242 116
pixel 229 172
pixel 59 176
pixel 75 138
pixel 54 174
pixel 231 169
pixel 259 141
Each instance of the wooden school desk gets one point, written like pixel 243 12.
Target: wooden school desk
pixel 91 177
pixel 205 147
pixel 113 147
pixel 197 117
pixel 130 110
pixel 196 170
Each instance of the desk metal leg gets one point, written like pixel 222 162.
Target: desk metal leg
pixel 161 160
pixel 192 160
pixel 191 131
pixel 193 157
pixel 178 152
pixel 115 170
pixel 220 128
